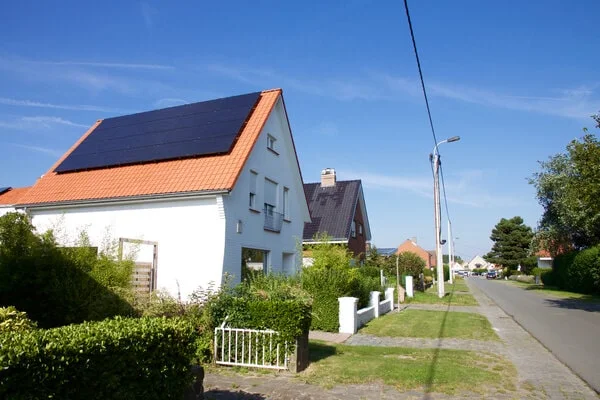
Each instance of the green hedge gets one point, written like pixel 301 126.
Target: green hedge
pixel 147 358
pixel 12 320
pixel 548 277
pixel 578 271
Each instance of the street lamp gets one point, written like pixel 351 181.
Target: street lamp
pixel 435 159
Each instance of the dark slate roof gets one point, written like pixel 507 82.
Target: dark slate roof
pixel 331 208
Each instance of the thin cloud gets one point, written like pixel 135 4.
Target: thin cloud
pixel 39 149
pixel 423 186
pixel 109 65
pixel 81 107
pixel 39 122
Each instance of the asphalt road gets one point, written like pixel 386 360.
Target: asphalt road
pixel 569 329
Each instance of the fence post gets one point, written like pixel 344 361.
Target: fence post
pixel 389 295
pixel 374 302
pixel 409 286
pixel 348 320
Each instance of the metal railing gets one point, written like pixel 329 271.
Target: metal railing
pixel 249 348
pixel 273 220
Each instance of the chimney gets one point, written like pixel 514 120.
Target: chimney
pixel 413 239
pixel 328 177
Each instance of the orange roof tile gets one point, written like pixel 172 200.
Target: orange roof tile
pixel 207 173
pixel 13 196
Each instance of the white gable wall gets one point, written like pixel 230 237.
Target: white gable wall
pixel 190 234
pixel 6 210
pixel 282 169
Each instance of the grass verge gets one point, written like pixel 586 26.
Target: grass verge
pixel 452 296
pixel 432 370
pixel 428 324
pixel 555 292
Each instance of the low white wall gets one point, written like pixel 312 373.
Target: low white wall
pixel 351 319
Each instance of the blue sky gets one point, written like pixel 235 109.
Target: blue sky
pixel 516 80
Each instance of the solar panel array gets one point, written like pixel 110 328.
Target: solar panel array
pixel 197 129
pixel 4 189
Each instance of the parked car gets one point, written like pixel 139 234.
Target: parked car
pixel 491 275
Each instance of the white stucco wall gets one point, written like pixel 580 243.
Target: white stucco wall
pixel 283 169
pixel 6 209
pixel 190 234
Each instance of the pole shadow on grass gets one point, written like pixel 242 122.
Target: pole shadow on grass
pixel 436 352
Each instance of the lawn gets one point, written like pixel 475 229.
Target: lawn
pixel 452 297
pixel 432 324
pixel 555 292
pixel 434 370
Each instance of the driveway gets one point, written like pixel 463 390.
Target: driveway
pixel 569 329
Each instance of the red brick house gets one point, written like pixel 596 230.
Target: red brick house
pixel 411 245
pixel 337 209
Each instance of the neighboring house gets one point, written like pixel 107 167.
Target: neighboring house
pixel 410 245
pixel 9 197
pixel 184 189
pixel 478 262
pixel 338 210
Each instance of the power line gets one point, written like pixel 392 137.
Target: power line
pixel 412 35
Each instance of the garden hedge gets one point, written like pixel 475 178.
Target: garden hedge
pixel 147 358
pixel 578 271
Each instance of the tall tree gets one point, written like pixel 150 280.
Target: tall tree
pixel 512 240
pixel 568 188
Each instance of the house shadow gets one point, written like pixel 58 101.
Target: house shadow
pixel 320 350
pixel 574 304
pixel 217 394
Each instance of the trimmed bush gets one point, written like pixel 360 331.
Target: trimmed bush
pixel 12 320
pixel 548 277
pixel 145 358
pixel 526 278
pixel 578 271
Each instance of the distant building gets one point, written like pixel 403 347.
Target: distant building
pixel 410 245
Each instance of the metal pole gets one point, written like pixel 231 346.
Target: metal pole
pixel 450 253
pixel 398 282
pixel 438 245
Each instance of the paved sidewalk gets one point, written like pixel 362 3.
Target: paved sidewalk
pixel 537 368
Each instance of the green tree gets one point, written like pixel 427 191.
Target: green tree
pixel 568 188
pixel 410 263
pixel 512 241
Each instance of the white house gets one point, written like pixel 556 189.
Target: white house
pixel 186 188
pixel 9 197
pixel 477 262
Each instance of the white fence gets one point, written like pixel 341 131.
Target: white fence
pixel 351 319
pixel 249 348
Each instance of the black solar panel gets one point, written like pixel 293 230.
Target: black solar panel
pixel 4 189
pixel 198 129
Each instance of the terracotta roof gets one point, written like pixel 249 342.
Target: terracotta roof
pixel 12 196
pixel 206 173
pixel 331 208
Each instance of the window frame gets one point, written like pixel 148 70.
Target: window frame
pixel 353 229
pixel 285 204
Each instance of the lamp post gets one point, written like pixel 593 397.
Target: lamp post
pixel 435 159
pixel 450 252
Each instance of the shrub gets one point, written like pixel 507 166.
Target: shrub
pixel 548 277
pixel 325 285
pixel 526 278
pixel 12 320
pixel 578 271
pixel 58 286
pixel 118 359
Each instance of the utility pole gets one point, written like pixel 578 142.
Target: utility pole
pixel 398 282
pixel 450 251
pixel 435 159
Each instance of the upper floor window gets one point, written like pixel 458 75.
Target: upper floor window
pixel 286 203
pixel 271 143
pixel 353 229
pixel 252 190
pixel 360 229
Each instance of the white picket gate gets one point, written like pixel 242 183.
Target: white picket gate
pixel 249 348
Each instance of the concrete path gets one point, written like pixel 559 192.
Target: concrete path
pixel 536 366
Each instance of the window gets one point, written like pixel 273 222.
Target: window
pixel 353 229
pixel 360 229
pixel 252 190
pixel 271 143
pixel 286 203
pixel 270 195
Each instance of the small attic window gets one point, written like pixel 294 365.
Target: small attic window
pixel 271 143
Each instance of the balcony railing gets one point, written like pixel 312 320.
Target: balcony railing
pixel 273 220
